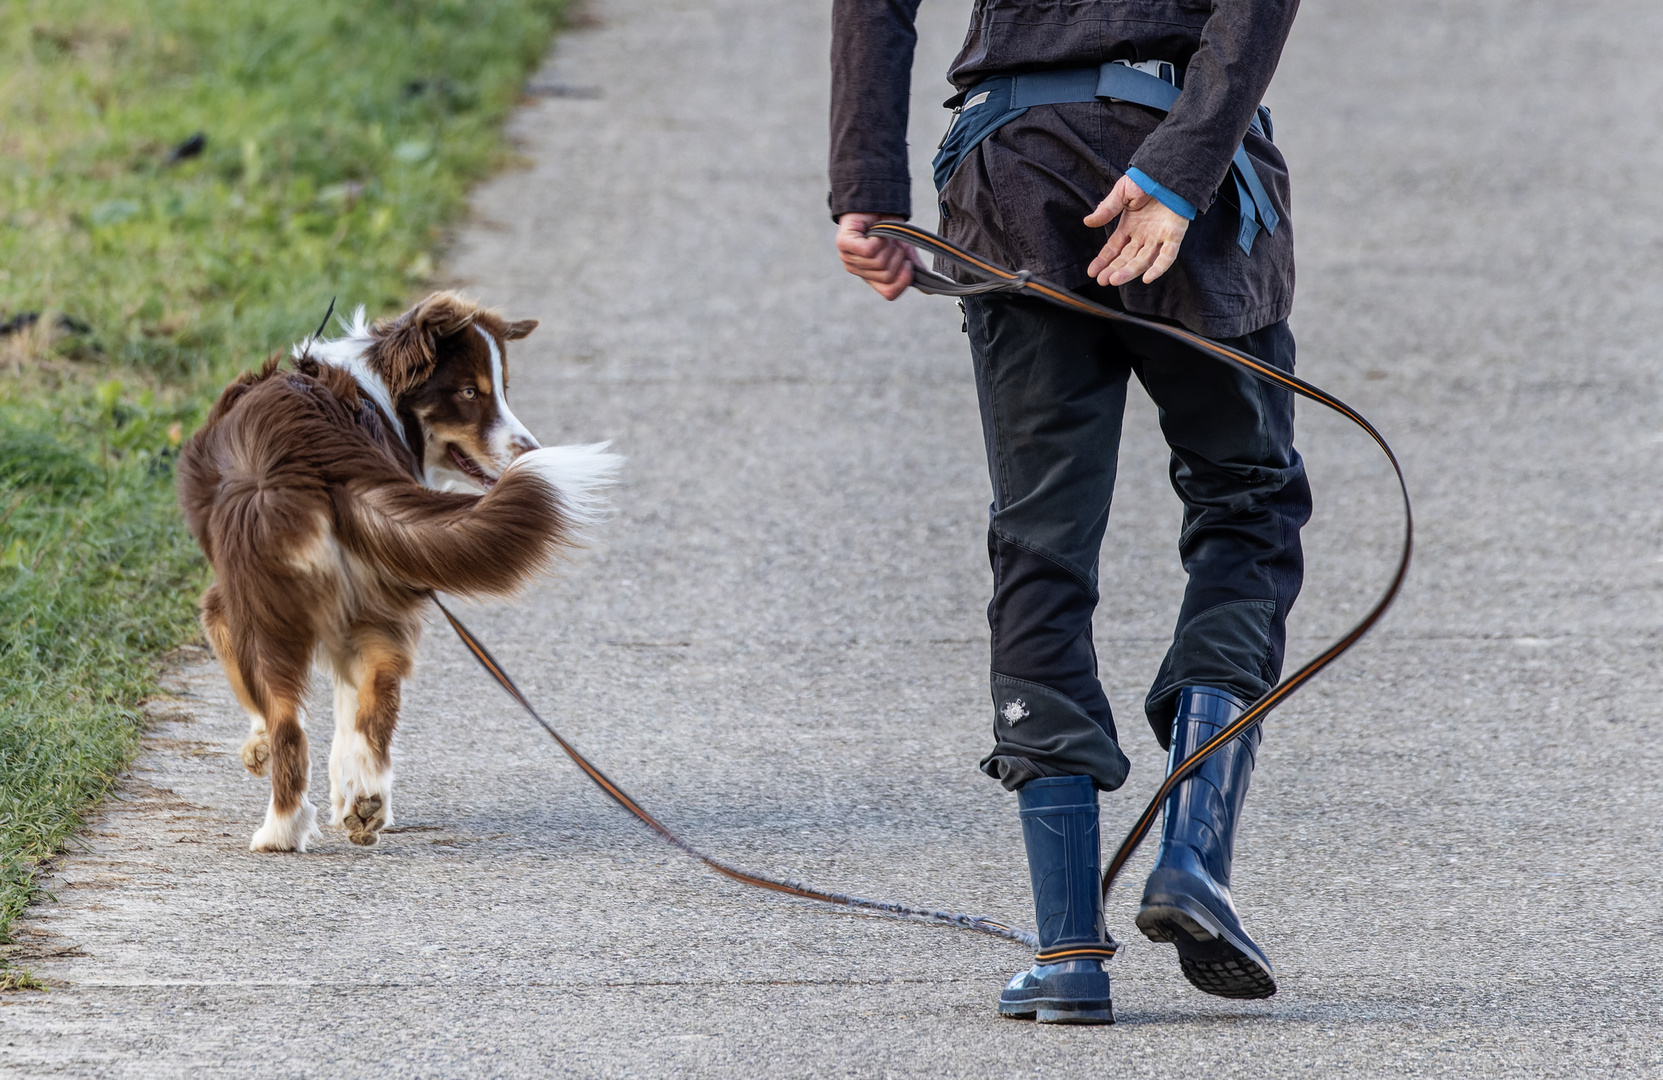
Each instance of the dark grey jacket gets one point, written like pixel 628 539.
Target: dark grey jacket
pixel 1018 198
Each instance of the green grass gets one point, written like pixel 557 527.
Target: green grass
pixel 341 136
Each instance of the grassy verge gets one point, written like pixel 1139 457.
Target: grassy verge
pixel 140 266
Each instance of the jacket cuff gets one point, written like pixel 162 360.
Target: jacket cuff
pixel 1165 195
pixel 870 197
pixel 1182 177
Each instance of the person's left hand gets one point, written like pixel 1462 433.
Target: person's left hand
pixel 1145 242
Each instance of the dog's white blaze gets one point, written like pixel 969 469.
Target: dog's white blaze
pixel 508 428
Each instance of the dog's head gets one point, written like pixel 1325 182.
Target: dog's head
pixel 445 365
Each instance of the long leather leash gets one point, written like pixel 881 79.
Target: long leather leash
pixel 999 279
pixel 618 795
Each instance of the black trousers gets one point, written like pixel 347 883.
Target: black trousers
pixel 1052 385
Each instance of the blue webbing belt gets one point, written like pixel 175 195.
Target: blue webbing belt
pixel 995 102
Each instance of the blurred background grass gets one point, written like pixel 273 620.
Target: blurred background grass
pixel 184 185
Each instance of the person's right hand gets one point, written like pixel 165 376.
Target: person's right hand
pixel 882 263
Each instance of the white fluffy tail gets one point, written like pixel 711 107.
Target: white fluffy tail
pixel 580 474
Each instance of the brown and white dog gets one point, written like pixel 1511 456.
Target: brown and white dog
pixel 332 497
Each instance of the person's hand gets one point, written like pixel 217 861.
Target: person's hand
pixel 1145 242
pixel 882 263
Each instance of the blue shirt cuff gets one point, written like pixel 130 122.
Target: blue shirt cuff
pixel 1169 198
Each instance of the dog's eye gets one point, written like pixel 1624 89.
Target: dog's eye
pixel 469 392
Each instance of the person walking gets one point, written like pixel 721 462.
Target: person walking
pixel 1118 148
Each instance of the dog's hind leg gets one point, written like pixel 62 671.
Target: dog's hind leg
pixel 360 763
pixel 291 820
pixel 257 747
pixel 277 678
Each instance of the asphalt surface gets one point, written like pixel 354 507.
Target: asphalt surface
pixel 1452 849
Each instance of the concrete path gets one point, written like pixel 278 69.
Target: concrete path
pixel 1453 846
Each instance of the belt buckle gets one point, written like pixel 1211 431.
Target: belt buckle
pixel 1164 70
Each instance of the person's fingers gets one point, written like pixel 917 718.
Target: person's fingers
pixel 893 290
pixel 867 253
pixel 1112 248
pixel 1134 260
pixel 1120 243
pixel 1138 200
pixel 1125 195
pixel 889 272
pixel 1104 259
pixel 873 248
pixel 859 244
pixel 890 283
pixel 882 263
pixel 899 255
pixel 878 263
pixel 1107 210
pixel 1163 262
pixel 893 259
pixel 1145 240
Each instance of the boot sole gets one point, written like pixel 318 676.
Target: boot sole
pixel 1209 959
pixel 1060 1012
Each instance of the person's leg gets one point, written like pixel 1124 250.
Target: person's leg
pixel 1245 499
pixel 1052 389
pixel 1067 983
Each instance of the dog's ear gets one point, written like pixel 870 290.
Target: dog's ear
pixel 520 328
pixel 406 349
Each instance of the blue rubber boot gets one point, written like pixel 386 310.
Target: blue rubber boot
pixel 1067 984
pixel 1187 898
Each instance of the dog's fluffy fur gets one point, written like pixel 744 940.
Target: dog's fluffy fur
pixel 331 497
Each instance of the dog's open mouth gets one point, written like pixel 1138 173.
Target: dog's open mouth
pixel 466 464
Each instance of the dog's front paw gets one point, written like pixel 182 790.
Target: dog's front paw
pixel 365 819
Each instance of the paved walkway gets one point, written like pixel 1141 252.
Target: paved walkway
pixel 1453 847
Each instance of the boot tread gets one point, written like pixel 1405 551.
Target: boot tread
pixel 1241 979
